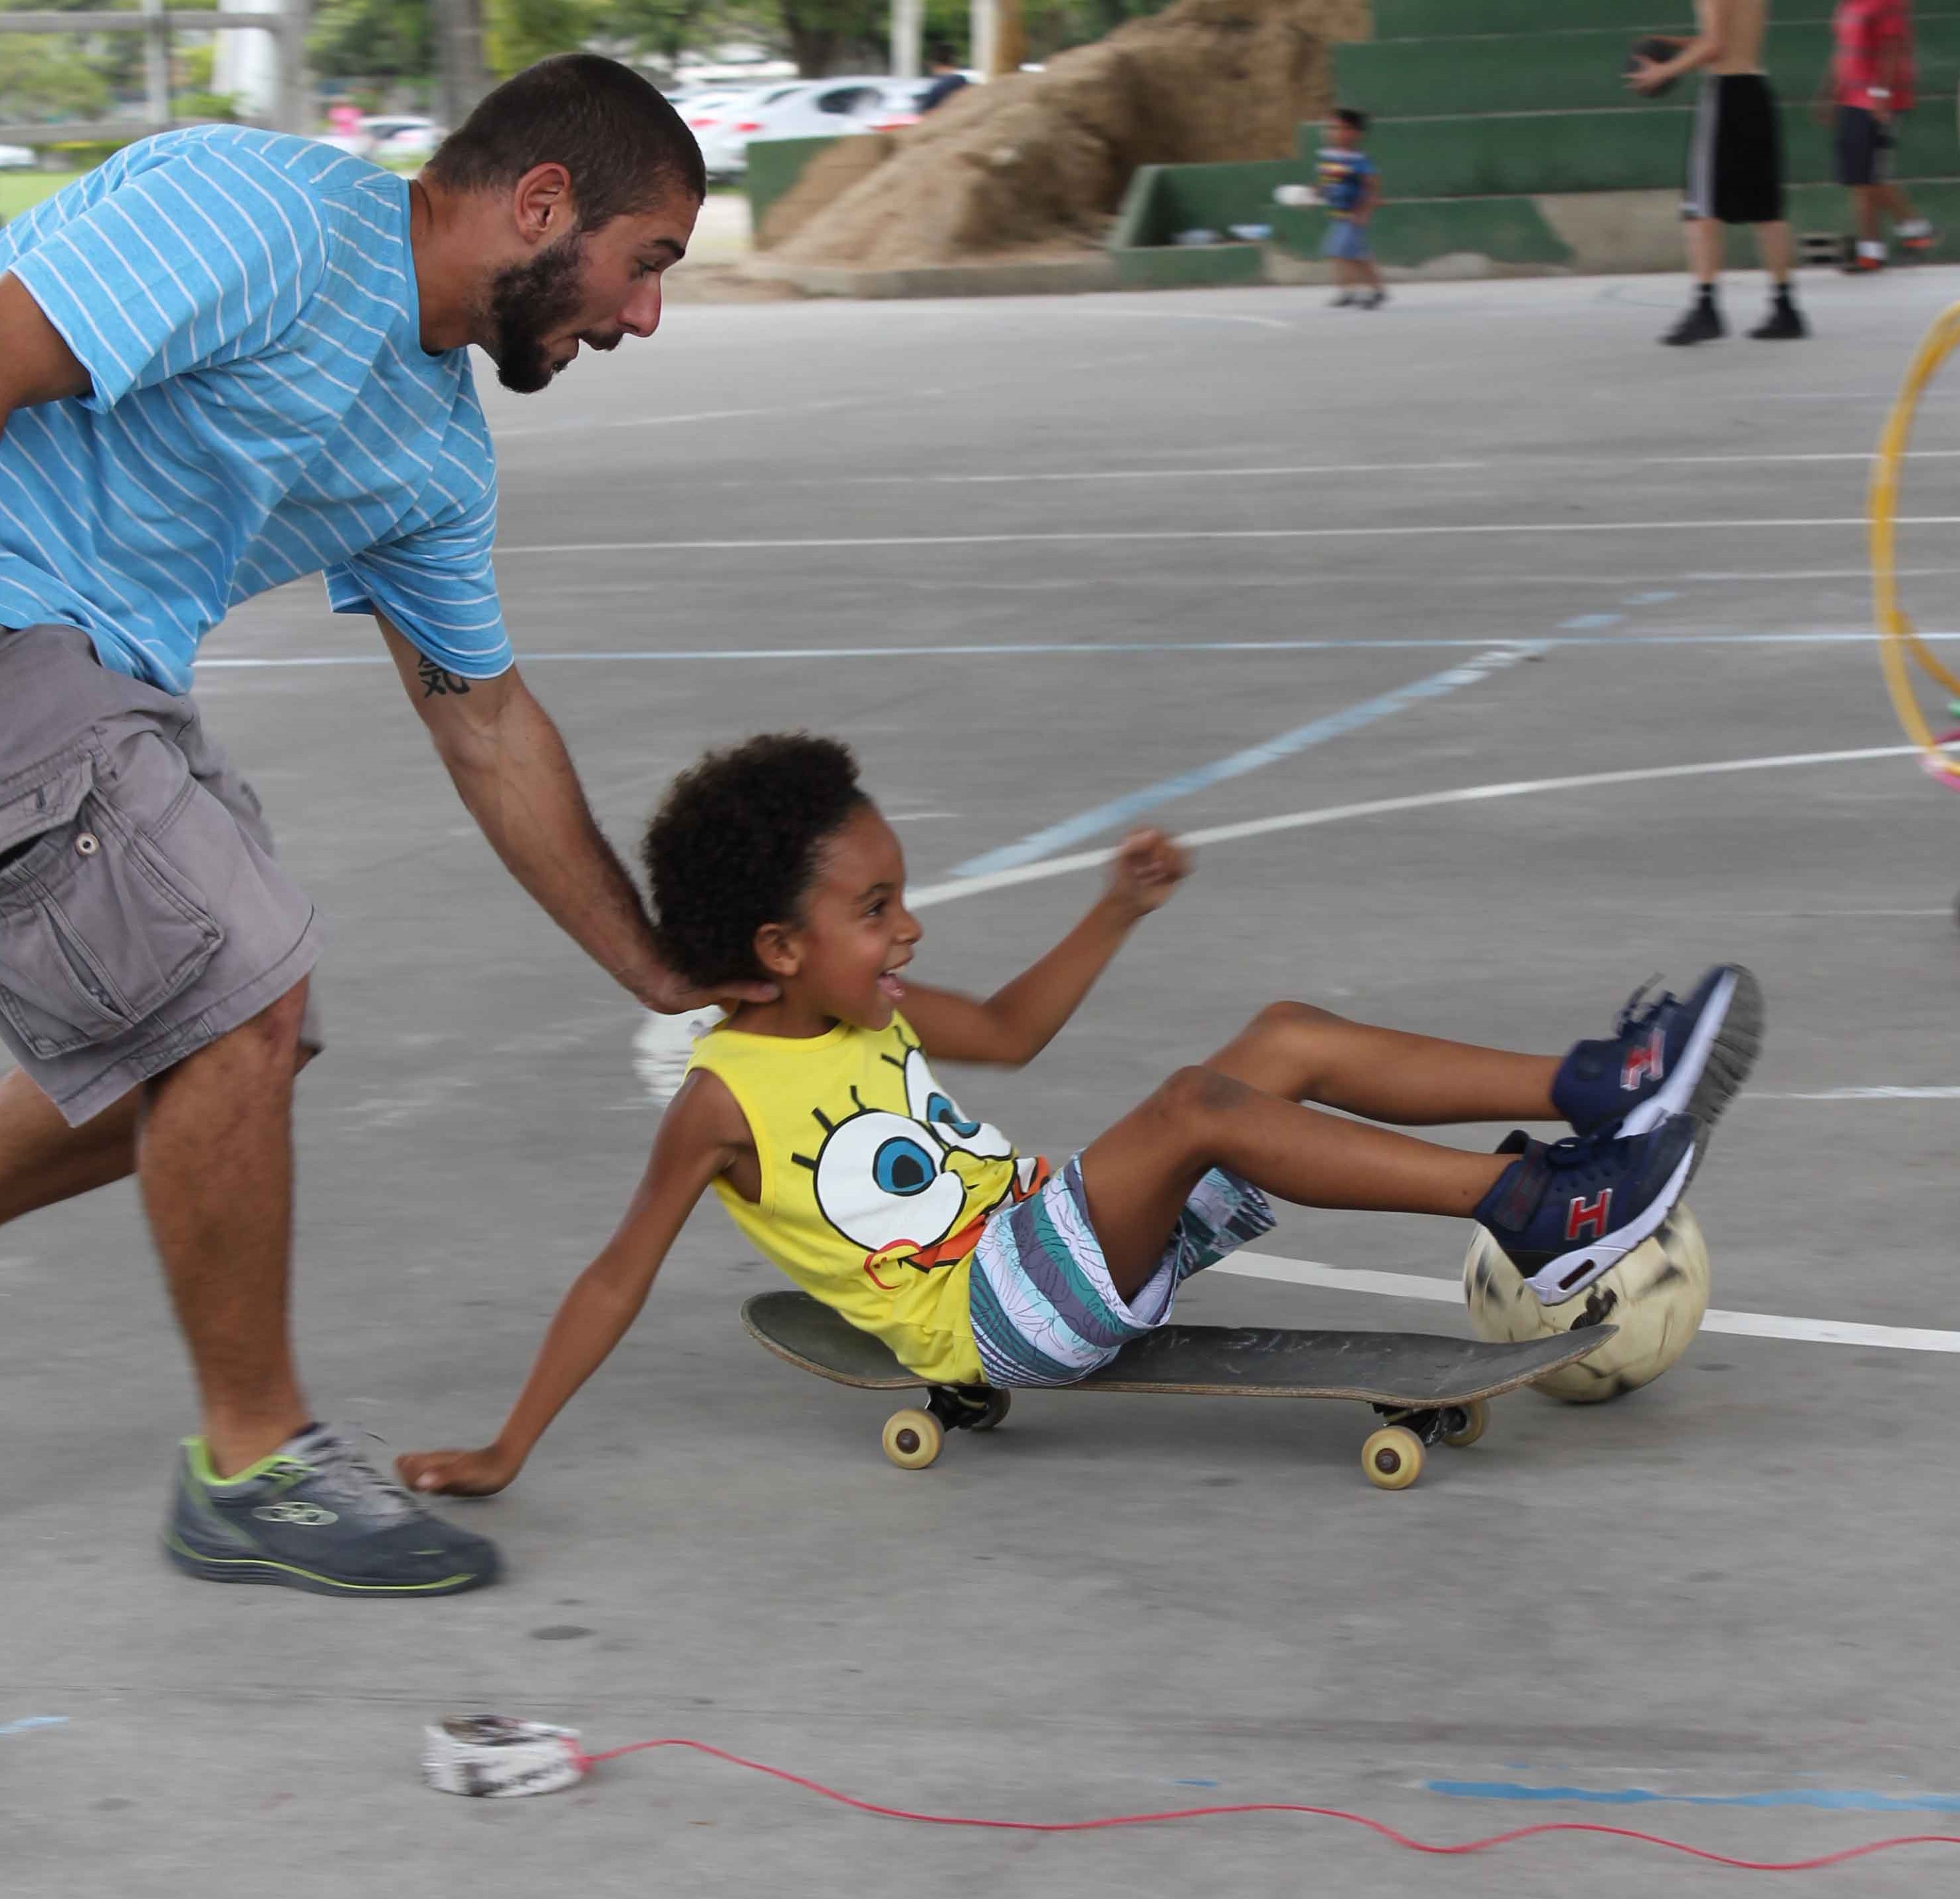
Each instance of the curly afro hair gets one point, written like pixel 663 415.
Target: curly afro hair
pixel 734 845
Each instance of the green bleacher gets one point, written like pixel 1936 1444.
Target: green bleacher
pixel 1483 111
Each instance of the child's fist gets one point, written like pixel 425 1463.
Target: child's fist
pixel 456 1472
pixel 1148 867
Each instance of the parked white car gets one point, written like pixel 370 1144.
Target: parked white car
pixel 810 108
pixel 405 141
pixel 722 122
pixel 17 158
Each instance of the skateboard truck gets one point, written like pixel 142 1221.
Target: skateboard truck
pixel 913 1438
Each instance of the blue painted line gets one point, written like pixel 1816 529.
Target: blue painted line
pixel 34 1720
pixel 1194 1783
pixel 1590 622
pixel 1649 600
pixel 1120 811
pixel 1830 1799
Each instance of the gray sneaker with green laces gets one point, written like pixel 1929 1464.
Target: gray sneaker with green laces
pixel 315 1515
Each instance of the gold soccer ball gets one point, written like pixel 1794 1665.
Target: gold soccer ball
pixel 1655 1296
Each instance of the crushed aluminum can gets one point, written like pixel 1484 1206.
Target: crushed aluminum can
pixel 496 1757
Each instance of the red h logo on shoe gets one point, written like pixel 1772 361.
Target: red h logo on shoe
pixel 1588 1217
pixel 1643 1062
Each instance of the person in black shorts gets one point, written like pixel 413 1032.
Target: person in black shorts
pixel 1869 85
pixel 1735 165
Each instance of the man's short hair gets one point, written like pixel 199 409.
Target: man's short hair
pixel 625 148
pixel 939 53
pixel 1354 120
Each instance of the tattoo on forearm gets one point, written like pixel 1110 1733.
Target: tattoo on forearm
pixel 436 682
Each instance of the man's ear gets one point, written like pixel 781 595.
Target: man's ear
pixel 778 950
pixel 541 203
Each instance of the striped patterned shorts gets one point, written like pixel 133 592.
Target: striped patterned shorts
pixel 1043 1308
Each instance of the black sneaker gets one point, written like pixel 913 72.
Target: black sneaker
pixel 1373 299
pixel 1702 324
pixel 1341 300
pixel 1784 323
pixel 316 1516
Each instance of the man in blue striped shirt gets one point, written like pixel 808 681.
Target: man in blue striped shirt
pixel 228 358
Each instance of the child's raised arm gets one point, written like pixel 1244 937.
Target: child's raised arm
pixel 1015 1024
pixel 700 1135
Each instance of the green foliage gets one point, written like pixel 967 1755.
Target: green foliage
pixel 372 39
pixel 205 105
pixel 49 76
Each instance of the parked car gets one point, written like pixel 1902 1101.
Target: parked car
pixel 898 106
pixel 724 121
pixel 810 108
pixel 407 144
pixel 17 158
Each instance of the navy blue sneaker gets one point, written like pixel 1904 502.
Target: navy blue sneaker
pixel 1673 1058
pixel 1566 1213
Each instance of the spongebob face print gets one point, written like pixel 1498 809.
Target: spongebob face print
pixel 911 1188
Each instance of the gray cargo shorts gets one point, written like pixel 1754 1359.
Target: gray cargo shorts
pixel 141 914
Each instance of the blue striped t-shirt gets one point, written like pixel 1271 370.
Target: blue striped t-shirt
pixel 261 408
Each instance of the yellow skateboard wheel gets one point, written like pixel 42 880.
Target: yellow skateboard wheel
pixel 997 1403
pixel 1476 1417
pixel 912 1439
pixel 1392 1457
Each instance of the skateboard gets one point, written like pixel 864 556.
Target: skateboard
pixel 1428 1390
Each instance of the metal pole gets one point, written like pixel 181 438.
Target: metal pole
pixel 292 106
pixel 984 17
pixel 463 79
pixel 907 30
pixel 156 64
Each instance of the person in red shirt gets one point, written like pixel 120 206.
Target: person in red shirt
pixel 1871 79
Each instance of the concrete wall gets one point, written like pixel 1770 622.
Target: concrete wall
pixel 1472 72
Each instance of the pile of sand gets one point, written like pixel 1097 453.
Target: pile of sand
pixel 1039 160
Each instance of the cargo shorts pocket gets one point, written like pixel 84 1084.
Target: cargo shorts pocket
pixel 97 931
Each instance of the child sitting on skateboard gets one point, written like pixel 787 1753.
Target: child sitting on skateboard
pixel 820 1124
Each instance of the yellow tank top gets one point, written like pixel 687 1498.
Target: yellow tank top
pixel 874 1184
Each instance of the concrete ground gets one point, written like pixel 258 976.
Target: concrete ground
pixel 1029 557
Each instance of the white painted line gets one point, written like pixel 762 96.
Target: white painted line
pixel 1025 649
pixel 1031 477
pixel 584 425
pixel 1122 812
pixel 1872 1094
pixel 1449 1292
pixel 955 888
pixel 1134 536
pixel 1028 476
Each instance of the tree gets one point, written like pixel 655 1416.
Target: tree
pixel 48 76
pixel 372 39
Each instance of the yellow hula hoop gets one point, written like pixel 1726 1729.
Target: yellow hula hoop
pixel 1898 640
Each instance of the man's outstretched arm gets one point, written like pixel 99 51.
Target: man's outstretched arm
pixel 512 771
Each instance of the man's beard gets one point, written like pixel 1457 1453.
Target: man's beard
pixel 527 302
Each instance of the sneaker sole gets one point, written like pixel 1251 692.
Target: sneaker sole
pixel 286 1575
pixel 1600 1259
pixel 1717 1060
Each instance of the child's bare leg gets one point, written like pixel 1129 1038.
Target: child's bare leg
pixel 1304 1053
pixel 1139 1174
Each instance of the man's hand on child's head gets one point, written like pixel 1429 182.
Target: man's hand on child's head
pixel 1149 865
pixel 456 1472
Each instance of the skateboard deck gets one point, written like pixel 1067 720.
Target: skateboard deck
pixel 1428 1388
